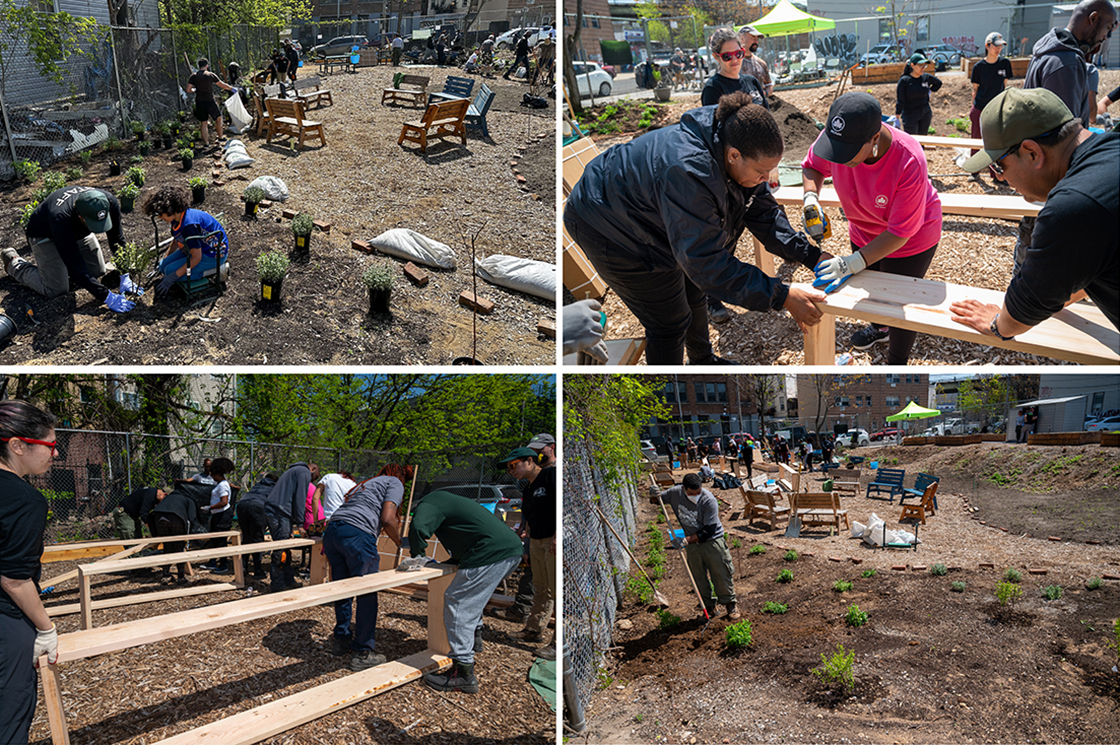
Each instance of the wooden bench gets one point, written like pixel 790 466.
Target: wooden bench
pixel 887 480
pixel 789 478
pixel 91 549
pixel 454 87
pixel 441 120
pixel 310 91
pixel 476 114
pixel 277 716
pixel 922 481
pixel 819 508
pixel 286 118
pixel 965 142
pixel 760 504
pixel 414 95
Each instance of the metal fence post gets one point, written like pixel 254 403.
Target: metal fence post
pixel 117 75
pixel 128 456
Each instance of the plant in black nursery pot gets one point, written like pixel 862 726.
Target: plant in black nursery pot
pixel 272 266
pixel 114 168
pixel 379 279
pixel 138 129
pixel 302 225
pixel 127 196
pixel 253 197
pixel 187 156
pixel 198 188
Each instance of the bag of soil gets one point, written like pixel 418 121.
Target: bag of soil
pixel 524 275
pixel 274 188
pixel 408 244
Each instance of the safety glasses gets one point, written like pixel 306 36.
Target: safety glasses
pixel 52 445
pixel 728 56
pixel 998 169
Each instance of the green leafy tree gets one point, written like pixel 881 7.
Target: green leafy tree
pixel 49 40
pixel 572 43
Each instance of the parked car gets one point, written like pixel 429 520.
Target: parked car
pixel 649 450
pixel 338 45
pixel 854 438
pixel 882 53
pixel 885 433
pixel 494 497
pixel 590 77
pixel 943 55
pixel 1108 424
pixel 508 40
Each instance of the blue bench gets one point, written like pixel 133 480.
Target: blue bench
pixel 453 87
pixel 887 480
pixel 476 114
pixel 920 484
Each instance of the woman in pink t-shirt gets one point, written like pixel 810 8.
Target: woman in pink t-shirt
pixel 893 211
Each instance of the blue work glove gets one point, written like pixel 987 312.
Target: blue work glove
pixel 677 542
pixel 127 285
pixel 166 283
pixel 118 303
pixel 833 273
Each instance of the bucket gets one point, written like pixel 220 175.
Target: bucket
pixel 7 329
pixel 874 464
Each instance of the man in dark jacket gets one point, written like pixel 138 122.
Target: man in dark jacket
pixel 175 514
pixel 285 507
pixel 521 56
pixel 1044 153
pixel 253 519
pixel 292 55
pixel 130 517
pixel 62 233
pixel 663 212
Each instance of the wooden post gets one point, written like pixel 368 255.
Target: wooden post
pixel 763 259
pixel 437 631
pixel 84 595
pixel 820 342
pixel 52 695
pixel 407 515
pixel 320 568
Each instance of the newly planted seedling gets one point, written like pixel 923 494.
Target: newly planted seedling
pixel 775 608
pixel 958 587
pixel 791 555
pixel 1012 575
pixel 835 671
pixel 938 570
pixel 1094 584
pixel 868 573
pixel 1008 593
pixel 666 619
pixel 758 548
pixel 1052 592
pixel 738 635
pixel 841 585
pixel 786 575
pixel 855 617
pixel 136 175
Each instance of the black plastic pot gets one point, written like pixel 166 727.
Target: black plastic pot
pixel 251 209
pixel 127 204
pixel 140 136
pixel 182 116
pixel 270 291
pixel 303 245
pixel 114 168
pixel 466 361
pixel 187 163
pixel 145 148
pixel 168 142
pixel 379 300
pixel 199 194
pixel 7 329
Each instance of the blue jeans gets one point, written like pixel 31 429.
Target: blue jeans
pixel 280 528
pixel 352 552
pixel 170 264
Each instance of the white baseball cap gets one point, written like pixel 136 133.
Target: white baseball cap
pixel 995 38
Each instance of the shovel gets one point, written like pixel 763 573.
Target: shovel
pixel 656 594
pixel 707 618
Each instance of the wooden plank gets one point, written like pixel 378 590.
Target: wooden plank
pixel 763 259
pixel 135 598
pixel 1079 333
pixel 579 274
pixel 437 631
pixel 52 696
pixel 619 351
pixel 575 158
pixel 283 714
pixel 202 554
pixel 73 573
pixel 820 342
pixel 973 205
pixel 933 141
pixel 72 551
pixel 91 642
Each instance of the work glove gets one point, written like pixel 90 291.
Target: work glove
pixel 677 542
pixel 583 330
pixel 834 272
pixel 816 221
pixel 414 564
pixel 166 283
pixel 127 285
pixel 46 643
pixel 118 303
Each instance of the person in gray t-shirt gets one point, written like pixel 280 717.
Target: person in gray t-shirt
pixel 350 543
pixel 705 547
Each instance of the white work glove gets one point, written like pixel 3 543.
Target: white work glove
pixel 583 330
pixel 46 643
pixel 834 272
pixel 414 564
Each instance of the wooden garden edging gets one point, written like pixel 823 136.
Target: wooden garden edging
pixel 1064 438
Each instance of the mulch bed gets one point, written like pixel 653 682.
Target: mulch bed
pixel 362 183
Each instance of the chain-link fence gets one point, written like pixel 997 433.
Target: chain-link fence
pixel 95 470
pixel 595 565
pixel 120 76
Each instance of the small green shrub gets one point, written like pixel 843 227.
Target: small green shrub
pixel 735 543
pixel 1115 643
pixel 197 182
pixel 938 570
pixel 1052 592
pixel 786 575
pixel 53 180
pixel 855 617
pixel 163 128
pixel 666 619
pixel 253 195
pixel 958 587
pixel 184 143
pixel 931 131
pixel 738 635
pixel 660 518
pixel 639 589
pixel 868 573
pixel 27 170
pixel 136 175
pixel 132 259
pixel 186 153
pixel 775 608
pixel 836 670
pixel 758 548
pixel 112 143
pixel 381 277
pixel 791 555
pixel 272 266
pixel 1007 593
pixel 962 124
pixel 841 585
pixel 25 214
pixel 85 157
pixel 137 127
pixel 1094 584
pixel 40 194
pixel 136 160
pixel 129 191
pixel 1012 575
pixel 303 224
pixel 73 173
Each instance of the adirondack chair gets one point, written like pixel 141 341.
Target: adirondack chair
pixel 286 117
pixel 887 480
pixel 476 114
pixel 920 484
pixel 927 505
pixel 440 121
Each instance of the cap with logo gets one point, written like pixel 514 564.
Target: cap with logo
pixel 517 454
pixel 853 119
pixel 1013 116
pixel 93 206
pixel 752 31
pixel 541 441
pixel 995 38
pixel 917 58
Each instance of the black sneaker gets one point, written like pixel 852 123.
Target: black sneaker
pixel 340 645
pixel 869 336
pixel 366 659
pixel 717 313
pixel 459 677
pixel 714 359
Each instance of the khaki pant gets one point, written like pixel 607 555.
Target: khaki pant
pixel 48 275
pixel 710 564
pixel 543 561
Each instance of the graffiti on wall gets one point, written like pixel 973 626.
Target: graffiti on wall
pixel 966 44
pixel 845 47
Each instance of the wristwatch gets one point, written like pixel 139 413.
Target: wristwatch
pixel 994 328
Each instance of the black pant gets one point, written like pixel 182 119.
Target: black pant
pixel 901 340
pixel 17 678
pixel 167 524
pixel 917 123
pixel 219 523
pixel 253 522
pixel 280 572
pixel 521 60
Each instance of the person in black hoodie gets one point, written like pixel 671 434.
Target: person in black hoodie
pixel 660 217
pixel 175 514
pixel 913 91
pixel 285 507
pixel 253 521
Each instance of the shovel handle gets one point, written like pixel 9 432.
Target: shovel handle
pixel 687 571
pixel 624 546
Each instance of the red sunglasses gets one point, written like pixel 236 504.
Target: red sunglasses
pixel 728 56
pixel 29 441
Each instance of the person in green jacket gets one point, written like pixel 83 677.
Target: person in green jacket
pixel 486 551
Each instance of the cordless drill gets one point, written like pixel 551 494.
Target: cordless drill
pixel 816 221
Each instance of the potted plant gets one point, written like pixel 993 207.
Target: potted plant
pixel 144 147
pixel 379 279
pixel 136 175
pixel 198 188
pixel 187 156
pixel 182 116
pixel 253 197
pixel 132 259
pixel 661 89
pixel 174 126
pixel 272 266
pixel 302 225
pixel 114 167
pixel 163 133
pixel 127 196
pixel 138 129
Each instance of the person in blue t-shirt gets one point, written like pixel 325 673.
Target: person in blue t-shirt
pixel 197 236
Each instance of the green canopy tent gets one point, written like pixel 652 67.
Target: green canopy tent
pixel 913 411
pixel 785 19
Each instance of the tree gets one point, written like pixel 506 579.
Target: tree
pixel 826 389
pixel 48 39
pixel 760 391
pixel 571 43
pixel 899 29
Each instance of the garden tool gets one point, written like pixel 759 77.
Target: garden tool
pixel 656 594
pixel 707 618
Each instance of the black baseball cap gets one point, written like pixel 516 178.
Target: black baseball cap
pixel 853 119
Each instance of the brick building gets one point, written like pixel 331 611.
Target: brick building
pixel 597 26
pixel 705 405
pixel 859 400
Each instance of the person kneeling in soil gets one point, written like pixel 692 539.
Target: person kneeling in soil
pixel 197 237
pixel 704 544
pixel 486 550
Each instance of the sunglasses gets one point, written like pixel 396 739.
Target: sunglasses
pixel 998 169
pixel 728 56
pixel 52 445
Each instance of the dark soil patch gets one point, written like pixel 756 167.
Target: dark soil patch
pixel 799 131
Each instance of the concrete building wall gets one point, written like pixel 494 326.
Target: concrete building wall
pixel 1102 392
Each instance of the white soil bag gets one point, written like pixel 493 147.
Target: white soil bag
pixel 236 156
pixel 408 244
pixel 237 114
pixel 524 275
pixel 274 188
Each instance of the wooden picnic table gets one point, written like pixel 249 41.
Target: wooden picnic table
pixel 341 61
